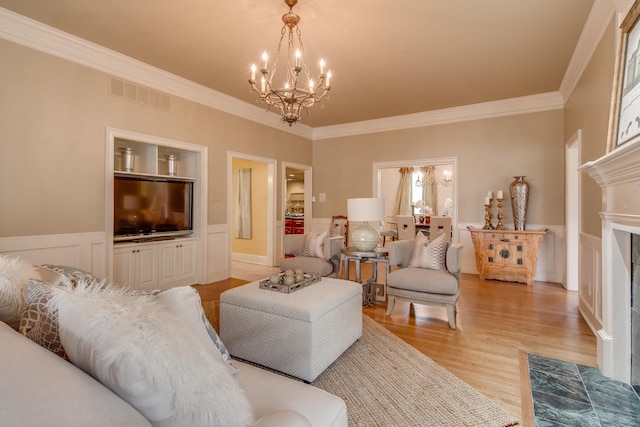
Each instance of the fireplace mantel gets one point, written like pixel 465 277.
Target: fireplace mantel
pixel 618 173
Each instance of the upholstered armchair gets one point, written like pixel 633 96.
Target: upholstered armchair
pixel 423 285
pixel 326 265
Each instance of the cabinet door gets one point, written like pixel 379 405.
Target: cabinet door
pixel 168 254
pixel 177 262
pixel 147 268
pixel 187 259
pixel 135 266
pixel 124 266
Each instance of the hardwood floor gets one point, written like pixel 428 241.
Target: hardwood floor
pixel 497 323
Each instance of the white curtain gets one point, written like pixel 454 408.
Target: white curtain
pixel 243 203
pixel 430 188
pixel 403 195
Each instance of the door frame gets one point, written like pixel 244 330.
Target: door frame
pixel 435 161
pixel 271 198
pixel 573 220
pixel 308 199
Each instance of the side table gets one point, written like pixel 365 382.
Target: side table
pixel 371 285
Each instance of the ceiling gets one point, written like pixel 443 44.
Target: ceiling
pixel 388 58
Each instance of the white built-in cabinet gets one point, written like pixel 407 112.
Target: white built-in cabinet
pixel 165 262
pixel 177 262
pixel 136 265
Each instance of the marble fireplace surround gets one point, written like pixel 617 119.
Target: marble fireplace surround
pixel 618 173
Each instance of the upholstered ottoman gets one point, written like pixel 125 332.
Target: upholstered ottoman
pixel 299 333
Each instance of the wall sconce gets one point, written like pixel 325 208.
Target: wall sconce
pixel 446 179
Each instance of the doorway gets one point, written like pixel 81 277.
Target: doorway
pixel 258 246
pixel 385 187
pixel 297 201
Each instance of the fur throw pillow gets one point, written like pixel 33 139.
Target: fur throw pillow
pixel 14 277
pixel 147 356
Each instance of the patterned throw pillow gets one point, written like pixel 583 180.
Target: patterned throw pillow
pixel 314 245
pixel 74 275
pixel 432 256
pixel 39 321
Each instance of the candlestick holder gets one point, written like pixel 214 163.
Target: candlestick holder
pixel 500 216
pixel 487 217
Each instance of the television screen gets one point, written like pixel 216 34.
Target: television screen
pixel 146 206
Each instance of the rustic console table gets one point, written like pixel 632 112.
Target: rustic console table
pixel 507 255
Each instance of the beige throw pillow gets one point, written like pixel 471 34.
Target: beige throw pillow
pixel 314 245
pixel 431 255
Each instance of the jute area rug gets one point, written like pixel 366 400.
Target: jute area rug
pixel 386 382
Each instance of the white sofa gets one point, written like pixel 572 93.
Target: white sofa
pixel 40 388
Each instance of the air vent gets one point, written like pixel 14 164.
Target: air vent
pixel 140 94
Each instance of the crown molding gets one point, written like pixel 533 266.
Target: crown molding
pixel 28 32
pixel 486 110
pixel 598 20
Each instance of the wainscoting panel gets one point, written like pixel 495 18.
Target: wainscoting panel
pixel 590 281
pixel 80 250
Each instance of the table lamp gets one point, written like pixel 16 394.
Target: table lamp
pixel 365 238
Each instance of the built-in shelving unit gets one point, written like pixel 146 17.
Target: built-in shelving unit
pixel 156 261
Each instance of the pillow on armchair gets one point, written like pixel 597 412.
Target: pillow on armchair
pixel 431 255
pixel 314 244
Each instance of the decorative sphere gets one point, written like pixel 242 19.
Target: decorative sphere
pixel 299 271
pixel 289 280
pixel 274 279
pixel 365 238
pixel 289 272
pixel 299 277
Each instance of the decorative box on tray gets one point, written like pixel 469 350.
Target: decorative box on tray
pixel 281 286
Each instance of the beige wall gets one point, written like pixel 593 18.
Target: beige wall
pixel 588 109
pixel 257 244
pixel 490 152
pixel 54 113
pixel 53 116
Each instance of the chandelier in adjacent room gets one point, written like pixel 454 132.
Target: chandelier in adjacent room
pixel 292 97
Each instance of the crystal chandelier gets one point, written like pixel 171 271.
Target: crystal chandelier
pixel 290 98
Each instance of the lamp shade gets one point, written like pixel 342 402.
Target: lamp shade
pixel 365 209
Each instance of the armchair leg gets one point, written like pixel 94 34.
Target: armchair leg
pixel 451 314
pixel 390 303
pixel 412 309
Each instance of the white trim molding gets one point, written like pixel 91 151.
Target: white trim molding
pixel 27 32
pixel 85 251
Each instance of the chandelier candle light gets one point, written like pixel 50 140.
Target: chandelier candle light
pixel 365 238
pixel 290 98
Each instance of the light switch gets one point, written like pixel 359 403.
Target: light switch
pixel 323 197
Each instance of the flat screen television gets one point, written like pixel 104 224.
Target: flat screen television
pixel 148 207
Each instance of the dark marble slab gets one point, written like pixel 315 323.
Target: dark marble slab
pixel 568 394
